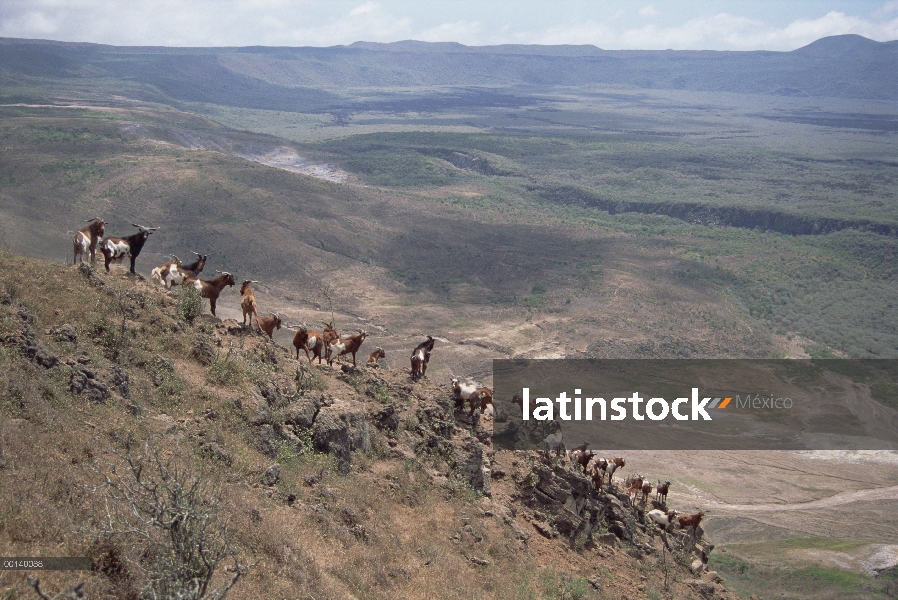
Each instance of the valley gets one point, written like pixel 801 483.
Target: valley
pixel 542 214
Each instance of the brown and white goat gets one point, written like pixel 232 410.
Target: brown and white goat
pixel 212 288
pixel 308 340
pixel 347 345
pixel 646 490
pixel 116 249
pixel 180 274
pixel 86 238
pixel 465 392
pixel 269 324
pixel 159 273
pixel 248 302
pixel 661 518
pixel 420 358
pixel 376 356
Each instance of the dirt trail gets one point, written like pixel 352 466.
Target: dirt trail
pixel 887 493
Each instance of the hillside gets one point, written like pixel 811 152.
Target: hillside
pixel 98 370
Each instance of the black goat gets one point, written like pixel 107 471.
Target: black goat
pixel 116 249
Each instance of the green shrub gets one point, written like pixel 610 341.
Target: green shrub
pixel 190 304
pixel 227 371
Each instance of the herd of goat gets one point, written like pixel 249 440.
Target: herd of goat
pixel 328 344
pixel 599 468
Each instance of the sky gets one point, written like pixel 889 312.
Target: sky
pixel 609 24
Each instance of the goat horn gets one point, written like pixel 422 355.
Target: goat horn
pixel 197 253
pixel 138 226
pixel 93 219
pixel 175 257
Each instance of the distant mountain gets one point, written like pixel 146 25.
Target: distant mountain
pixel 301 79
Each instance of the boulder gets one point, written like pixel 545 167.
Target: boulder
pixel 272 475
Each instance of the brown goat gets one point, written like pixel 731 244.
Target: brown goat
pixel 269 324
pixel 661 492
pixel 633 485
pixel 347 345
pixel 376 356
pixel 212 288
pixel 248 302
pixel 690 520
pixel 486 399
pixel 86 238
pixel 330 335
pixel 582 456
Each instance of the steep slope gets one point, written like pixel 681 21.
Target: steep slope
pixel 314 471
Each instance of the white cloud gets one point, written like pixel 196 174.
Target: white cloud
pixel 888 8
pixel 367 7
pixel 330 22
pixel 721 31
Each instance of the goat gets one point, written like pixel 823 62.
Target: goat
pixel 646 490
pixel 555 442
pixel 465 392
pixel 582 456
pixel 633 485
pixel 159 273
pixel 347 345
pixel 661 492
pixel 426 345
pixel 690 520
pixel 117 249
pixel 420 358
pixel 86 238
pixel 609 467
pixel 486 399
pixel 308 340
pixel 599 468
pixel 598 475
pixel 376 356
pixel 248 302
pixel 179 274
pixel 269 324
pixel 329 336
pixel 211 288
pixel 196 267
pixel 661 518
pixel 618 462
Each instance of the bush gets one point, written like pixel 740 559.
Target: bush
pixel 171 513
pixel 190 304
pixel 227 371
